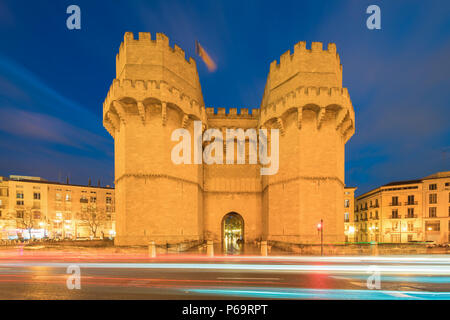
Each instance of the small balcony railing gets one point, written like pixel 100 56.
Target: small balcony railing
pixel 395 204
pixel 411 203
pixel 411 216
pixel 395 216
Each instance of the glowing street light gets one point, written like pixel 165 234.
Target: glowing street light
pixel 320 229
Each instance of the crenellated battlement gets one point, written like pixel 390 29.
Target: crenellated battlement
pixel 161 42
pixel 236 113
pixel 313 67
pixel 300 51
pixel 154 59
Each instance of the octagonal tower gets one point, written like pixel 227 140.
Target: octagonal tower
pixel 305 100
pixel 156 90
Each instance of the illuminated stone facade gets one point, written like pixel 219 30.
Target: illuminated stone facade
pixel 405 211
pixel 156 90
pixel 54 210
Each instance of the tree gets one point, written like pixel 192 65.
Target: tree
pixel 25 219
pixel 93 217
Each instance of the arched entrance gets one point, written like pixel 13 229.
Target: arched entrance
pixel 233 233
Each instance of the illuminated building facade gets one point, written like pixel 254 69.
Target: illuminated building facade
pixel 55 210
pixel 157 91
pixel 405 211
pixel 349 214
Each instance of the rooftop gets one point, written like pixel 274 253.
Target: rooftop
pixel 41 180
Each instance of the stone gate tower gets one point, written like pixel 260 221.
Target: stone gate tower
pixel 157 90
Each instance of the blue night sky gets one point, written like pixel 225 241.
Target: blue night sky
pixel 53 80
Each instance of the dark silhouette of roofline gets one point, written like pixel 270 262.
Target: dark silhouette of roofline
pixel 57 183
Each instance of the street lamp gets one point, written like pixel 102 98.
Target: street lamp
pixel 320 229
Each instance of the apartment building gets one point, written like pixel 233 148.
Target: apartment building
pixel 349 214
pixel 37 208
pixel 405 211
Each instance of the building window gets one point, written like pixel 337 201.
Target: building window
pixel 432 226
pixel 410 226
pixel 93 199
pixel 433 198
pixel 19 202
pixel 108 200
pixel 376 214
pixel 68 197
pixel 346 202
pixel 432 186
pixel 432 212
pixel 346 217
pixel 37 196
pixel 20 214
pixel 36 215
pixel 394 201
pixel 58 196
pixel 411 199
pixel 410 212
pixel 394 214
pixel 19 195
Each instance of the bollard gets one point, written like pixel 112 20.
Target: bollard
pixel 264 248
pixel 152 249
pixel 210 248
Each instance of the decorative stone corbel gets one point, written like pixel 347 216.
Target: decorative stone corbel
pixel 120 110
pixel 185 121
pixel 320 117
pixel 141 110
pixel 164 113
pixel 280 125
pixel 299 117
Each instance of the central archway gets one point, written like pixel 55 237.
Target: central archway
pixel 233 232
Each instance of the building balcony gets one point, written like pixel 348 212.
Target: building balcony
pixel 391 230
pixel 395 216
pixel 395 204
pixel 84 200
pixel 411 216
pixel 411 203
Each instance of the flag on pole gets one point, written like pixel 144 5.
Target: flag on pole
pixel 210 64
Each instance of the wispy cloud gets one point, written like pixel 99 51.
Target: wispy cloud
pixel 35 119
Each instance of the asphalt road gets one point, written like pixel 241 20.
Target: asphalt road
pixel 44 275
